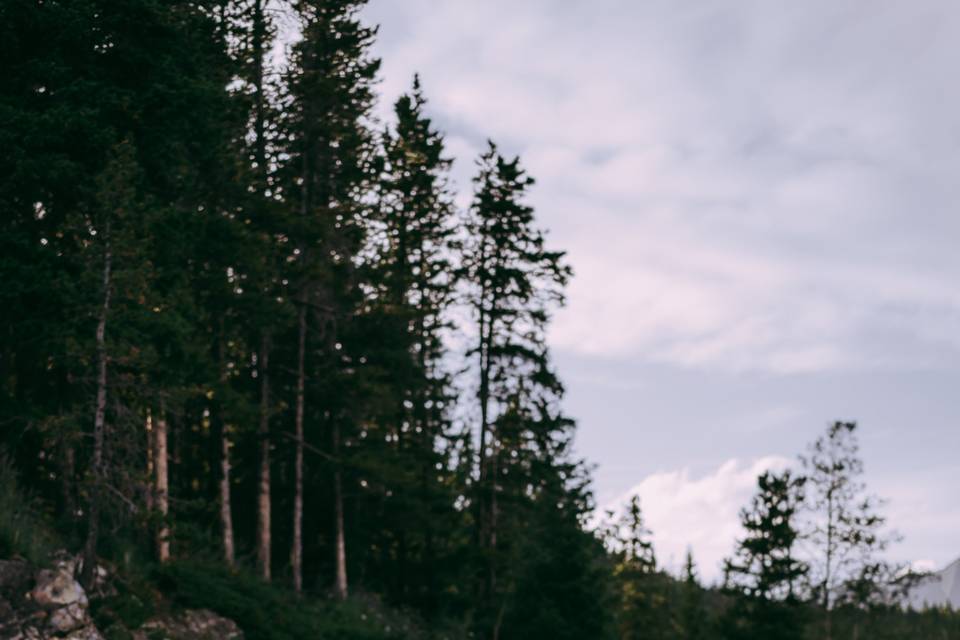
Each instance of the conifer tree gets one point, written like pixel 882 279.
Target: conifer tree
pixel 329 171
pixel 693 610
pixel 643 606
pixel 413 289
pixel 765 571
pixel 512 281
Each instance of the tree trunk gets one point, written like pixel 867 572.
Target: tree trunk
pixel 263 497
pixel 296 553
pixel 259 121
pixel 480 532
pixel 148 426
pixel 226 504
pixel 828 578
pixel 99 417
pixel 163 486
pixel 68 471
pixel 226 511
pixel 341 550
pixel 492 565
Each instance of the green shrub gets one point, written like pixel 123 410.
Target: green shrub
pixel 267 612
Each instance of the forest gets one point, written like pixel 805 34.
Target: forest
pixel 256 360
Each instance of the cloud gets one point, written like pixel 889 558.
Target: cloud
pixel 698 513
pixel 740 187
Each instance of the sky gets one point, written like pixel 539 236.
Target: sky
pixel 759 203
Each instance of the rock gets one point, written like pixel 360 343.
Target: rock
pixel 190 624
pixel 73 616
pixel 86 633
pixel 48 603
pixel 6 610
pixel 56 588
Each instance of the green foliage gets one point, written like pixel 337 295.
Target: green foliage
pixel 647 600
pixel 134 602
pixel 266 612
pixel 24 531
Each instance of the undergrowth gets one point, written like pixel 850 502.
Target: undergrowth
pixel 24 531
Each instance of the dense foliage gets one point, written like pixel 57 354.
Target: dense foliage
pixel 230 312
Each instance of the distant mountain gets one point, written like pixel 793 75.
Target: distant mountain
pixel 938 589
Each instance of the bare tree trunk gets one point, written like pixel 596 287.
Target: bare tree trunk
pixel 488 471
pixel 492 566
pixel 68 473
pixel 341 583
pixel 828 578
pixel 296 553
pixel 226 512
pixel 263 498
pixel 481 530
pixel 163 485
pixel 148 425
pixel 99 417
pixel 226 504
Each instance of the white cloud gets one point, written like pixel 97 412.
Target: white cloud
pixel 697 513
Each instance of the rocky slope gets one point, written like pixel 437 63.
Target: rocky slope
pixel 48 603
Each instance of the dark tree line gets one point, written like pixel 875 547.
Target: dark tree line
pixel 228 303
pixel 229 299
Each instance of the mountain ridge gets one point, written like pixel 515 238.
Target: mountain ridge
pixel 941 588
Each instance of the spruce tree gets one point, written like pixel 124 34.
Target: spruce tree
pixel 643 606
pixel 693 610
pixel 512 282
pixel 327 176
pixel 413 288
pixel 765 573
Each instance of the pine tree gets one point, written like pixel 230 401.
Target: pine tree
pixel 512 282
pixel 693 610
pixel 412 288
pixel 643 607
pixel 329 171
pixel 765 572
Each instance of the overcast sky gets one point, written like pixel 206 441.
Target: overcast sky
pixel 759 200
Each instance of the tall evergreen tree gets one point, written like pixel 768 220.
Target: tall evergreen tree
pixel 330 169
pixel 765 573
pixel 512 281
pixel 412 287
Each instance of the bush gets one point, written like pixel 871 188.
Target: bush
pixel 267 612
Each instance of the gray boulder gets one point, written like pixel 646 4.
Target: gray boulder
pixel 190 624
